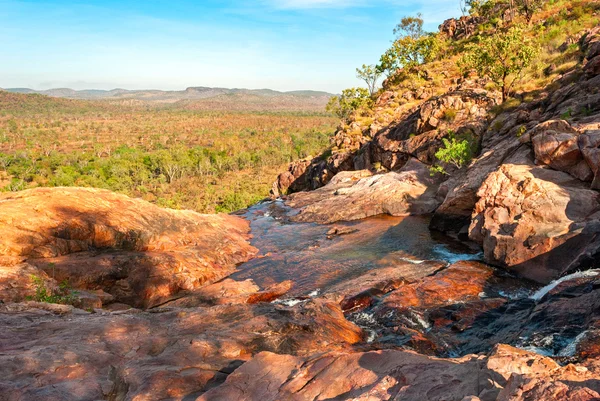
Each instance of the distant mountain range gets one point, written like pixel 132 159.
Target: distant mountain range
pixel 199 97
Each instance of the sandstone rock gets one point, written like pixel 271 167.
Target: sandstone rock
pixel 535 221
pixel 559 148
pixel 462 281
pixel 461 28
pixel 364 290
pixel 168 354
pixel 293 180
pixel 229 291
pixel 395 375
pixel 16 281
pixel 419 134
pixel 137 252
pixel 589 143
pixel 411 191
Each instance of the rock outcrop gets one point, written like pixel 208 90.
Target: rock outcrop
pixel 360 194
pixel 98 240
pixel 537 222
pixel 506 374
pixel 55 352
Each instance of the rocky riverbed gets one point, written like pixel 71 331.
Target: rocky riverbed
pixel 371 302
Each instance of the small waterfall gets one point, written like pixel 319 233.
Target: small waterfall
pixel 545 290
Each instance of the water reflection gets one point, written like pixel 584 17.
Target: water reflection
pixel 304 253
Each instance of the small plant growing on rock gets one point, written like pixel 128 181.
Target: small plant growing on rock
pixel 64 294
pixel 457 152
pixel 450 115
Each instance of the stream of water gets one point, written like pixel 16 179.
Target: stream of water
pixel 316 260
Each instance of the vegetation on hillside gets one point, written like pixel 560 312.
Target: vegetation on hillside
pixel 513 48
pixel 206 161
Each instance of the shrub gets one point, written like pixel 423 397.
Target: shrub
pixel 501 57
pixel 350 101
pixel 64 294
pixel 457 152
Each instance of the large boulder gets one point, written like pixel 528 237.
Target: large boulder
pixel 57 353
pixel 98 240
pixel 557 145
pixel 536 221
pixel 356 195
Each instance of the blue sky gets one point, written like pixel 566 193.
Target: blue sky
pixel 276 44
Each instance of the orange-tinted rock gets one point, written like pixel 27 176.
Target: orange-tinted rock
pixel 60 353
pixel 535 221
pixel 139 253
pixel 461 282
pixel 398 375
pixel 559 148
pixel 357 195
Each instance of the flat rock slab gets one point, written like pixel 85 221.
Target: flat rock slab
pixel 98 240
pixel 399 375
pixel 58 353
pixel 357 195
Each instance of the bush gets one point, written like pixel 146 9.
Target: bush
pixel 351 100
pixel 457 152
pixel 64 295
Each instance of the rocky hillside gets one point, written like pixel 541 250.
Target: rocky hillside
pixel 528 195
pixel 487 287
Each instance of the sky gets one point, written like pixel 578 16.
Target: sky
pixel 170 45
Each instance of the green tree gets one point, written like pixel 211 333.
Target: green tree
pixel 501 57
pixel 370 74
pixel 412 47
pixel 350 100
pixel 528 8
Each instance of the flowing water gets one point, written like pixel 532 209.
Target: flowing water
pixel 315 260
pixel 303 253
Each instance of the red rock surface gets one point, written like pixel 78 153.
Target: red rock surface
pixel 141 254
pixel 536 221
pixel 57 353
pixel 399 375
pixel 357 195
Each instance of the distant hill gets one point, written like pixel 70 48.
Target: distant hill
pixel 201 98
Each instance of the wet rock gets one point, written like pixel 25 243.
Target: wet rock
pixel 63 355
pixel 139 253
pixel 363 291
pixel 462 281
pixel 537 222
pixel 410 191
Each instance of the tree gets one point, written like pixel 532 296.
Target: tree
pixel 528 8
pixel 501 57
pixel 350 100
pixel 410 27
pixel 370 74
pixel 412 47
